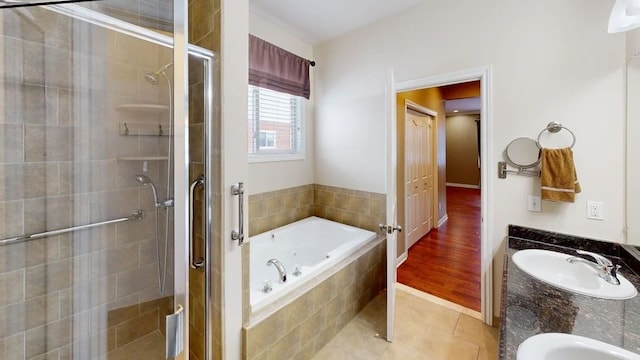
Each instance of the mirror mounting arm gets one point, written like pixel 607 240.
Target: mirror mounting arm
pixel 503 171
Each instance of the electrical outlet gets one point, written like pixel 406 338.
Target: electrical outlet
pixel 595 210
pixel 533 203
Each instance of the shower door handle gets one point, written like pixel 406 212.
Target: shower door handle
pixel 239 234
pixel 197 183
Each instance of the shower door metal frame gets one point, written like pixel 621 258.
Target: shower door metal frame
pixel 181 51
pixel 208 58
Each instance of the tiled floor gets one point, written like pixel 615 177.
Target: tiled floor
pixel 423 330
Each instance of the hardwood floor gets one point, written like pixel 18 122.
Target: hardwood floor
pixel 446 261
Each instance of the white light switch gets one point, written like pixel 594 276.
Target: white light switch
pixel 595 210
pixel 533 203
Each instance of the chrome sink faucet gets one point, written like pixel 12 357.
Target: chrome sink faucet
pixel 280 267
pixel 605 268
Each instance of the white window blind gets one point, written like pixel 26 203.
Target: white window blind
pixel 275 123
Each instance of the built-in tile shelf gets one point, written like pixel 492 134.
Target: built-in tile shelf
pixel 143 107
pixel 144 158
pixel 144 128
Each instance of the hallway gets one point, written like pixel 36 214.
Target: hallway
pixel 446 262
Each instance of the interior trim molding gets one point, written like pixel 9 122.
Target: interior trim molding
pixel 466 186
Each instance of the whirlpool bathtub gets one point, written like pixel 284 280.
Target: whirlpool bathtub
pixel 305 248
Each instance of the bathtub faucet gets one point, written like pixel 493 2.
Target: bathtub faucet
pixel 280 267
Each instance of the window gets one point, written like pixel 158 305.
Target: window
pixel 275 125
pixel 267 139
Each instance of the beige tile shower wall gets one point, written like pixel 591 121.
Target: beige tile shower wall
pixel 273 209
pixel 301 328
pixel 85 293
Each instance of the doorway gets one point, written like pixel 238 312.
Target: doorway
pixel 445 261
pixel 452 261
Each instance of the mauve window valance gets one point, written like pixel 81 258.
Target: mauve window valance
pixel 277 69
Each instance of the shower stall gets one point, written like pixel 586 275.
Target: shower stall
pixel 105 253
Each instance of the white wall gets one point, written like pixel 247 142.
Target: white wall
pixel 234 82
pixel 551 60
pixel 269 176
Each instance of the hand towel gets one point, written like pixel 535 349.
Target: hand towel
pixel 558 175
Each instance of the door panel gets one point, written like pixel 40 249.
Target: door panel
pixel 392 215
pixel 92 100
pixel 419 175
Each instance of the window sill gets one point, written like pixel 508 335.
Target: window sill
pixel 275 158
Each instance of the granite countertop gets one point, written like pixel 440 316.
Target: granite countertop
pixel 531 307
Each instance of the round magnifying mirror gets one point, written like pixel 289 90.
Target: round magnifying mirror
pixel 523 153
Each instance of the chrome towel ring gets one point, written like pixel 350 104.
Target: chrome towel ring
pixel 554 127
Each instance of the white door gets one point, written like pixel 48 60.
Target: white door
pixel 418 175
pixel 392 215
pixel 426 177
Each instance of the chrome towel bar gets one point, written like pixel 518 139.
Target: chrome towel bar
pixel 138 215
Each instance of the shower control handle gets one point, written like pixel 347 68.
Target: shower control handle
pixel 197 183
pixel 238 190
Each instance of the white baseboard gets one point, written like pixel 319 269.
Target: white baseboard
pixel 443 220
pixel 468 186
pixel 402 258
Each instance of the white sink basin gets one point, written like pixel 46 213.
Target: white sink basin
pixel 553 268
pixel 555 346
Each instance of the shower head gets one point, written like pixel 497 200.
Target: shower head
pixel 152 78
pixel 144 180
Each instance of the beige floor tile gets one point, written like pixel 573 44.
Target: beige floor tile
pixel 409 332
pixel 439 345
pixel 375 314
pixel 399 352
pixel 475 331
pixel 360 341
pixel 414 309
pixel 332 352
pixel 488 354
pixel 423 330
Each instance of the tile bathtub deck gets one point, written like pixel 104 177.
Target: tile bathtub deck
pixel 423 330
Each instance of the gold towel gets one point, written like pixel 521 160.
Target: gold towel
pixel 558 175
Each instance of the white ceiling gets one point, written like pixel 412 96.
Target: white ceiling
pixel 318 21
pixel 467 105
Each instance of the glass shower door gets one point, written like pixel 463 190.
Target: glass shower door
pixel 89 167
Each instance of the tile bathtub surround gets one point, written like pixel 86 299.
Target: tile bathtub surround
pixel 273 209
pixel 352 207
pixel 299 329
pixel 530 306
